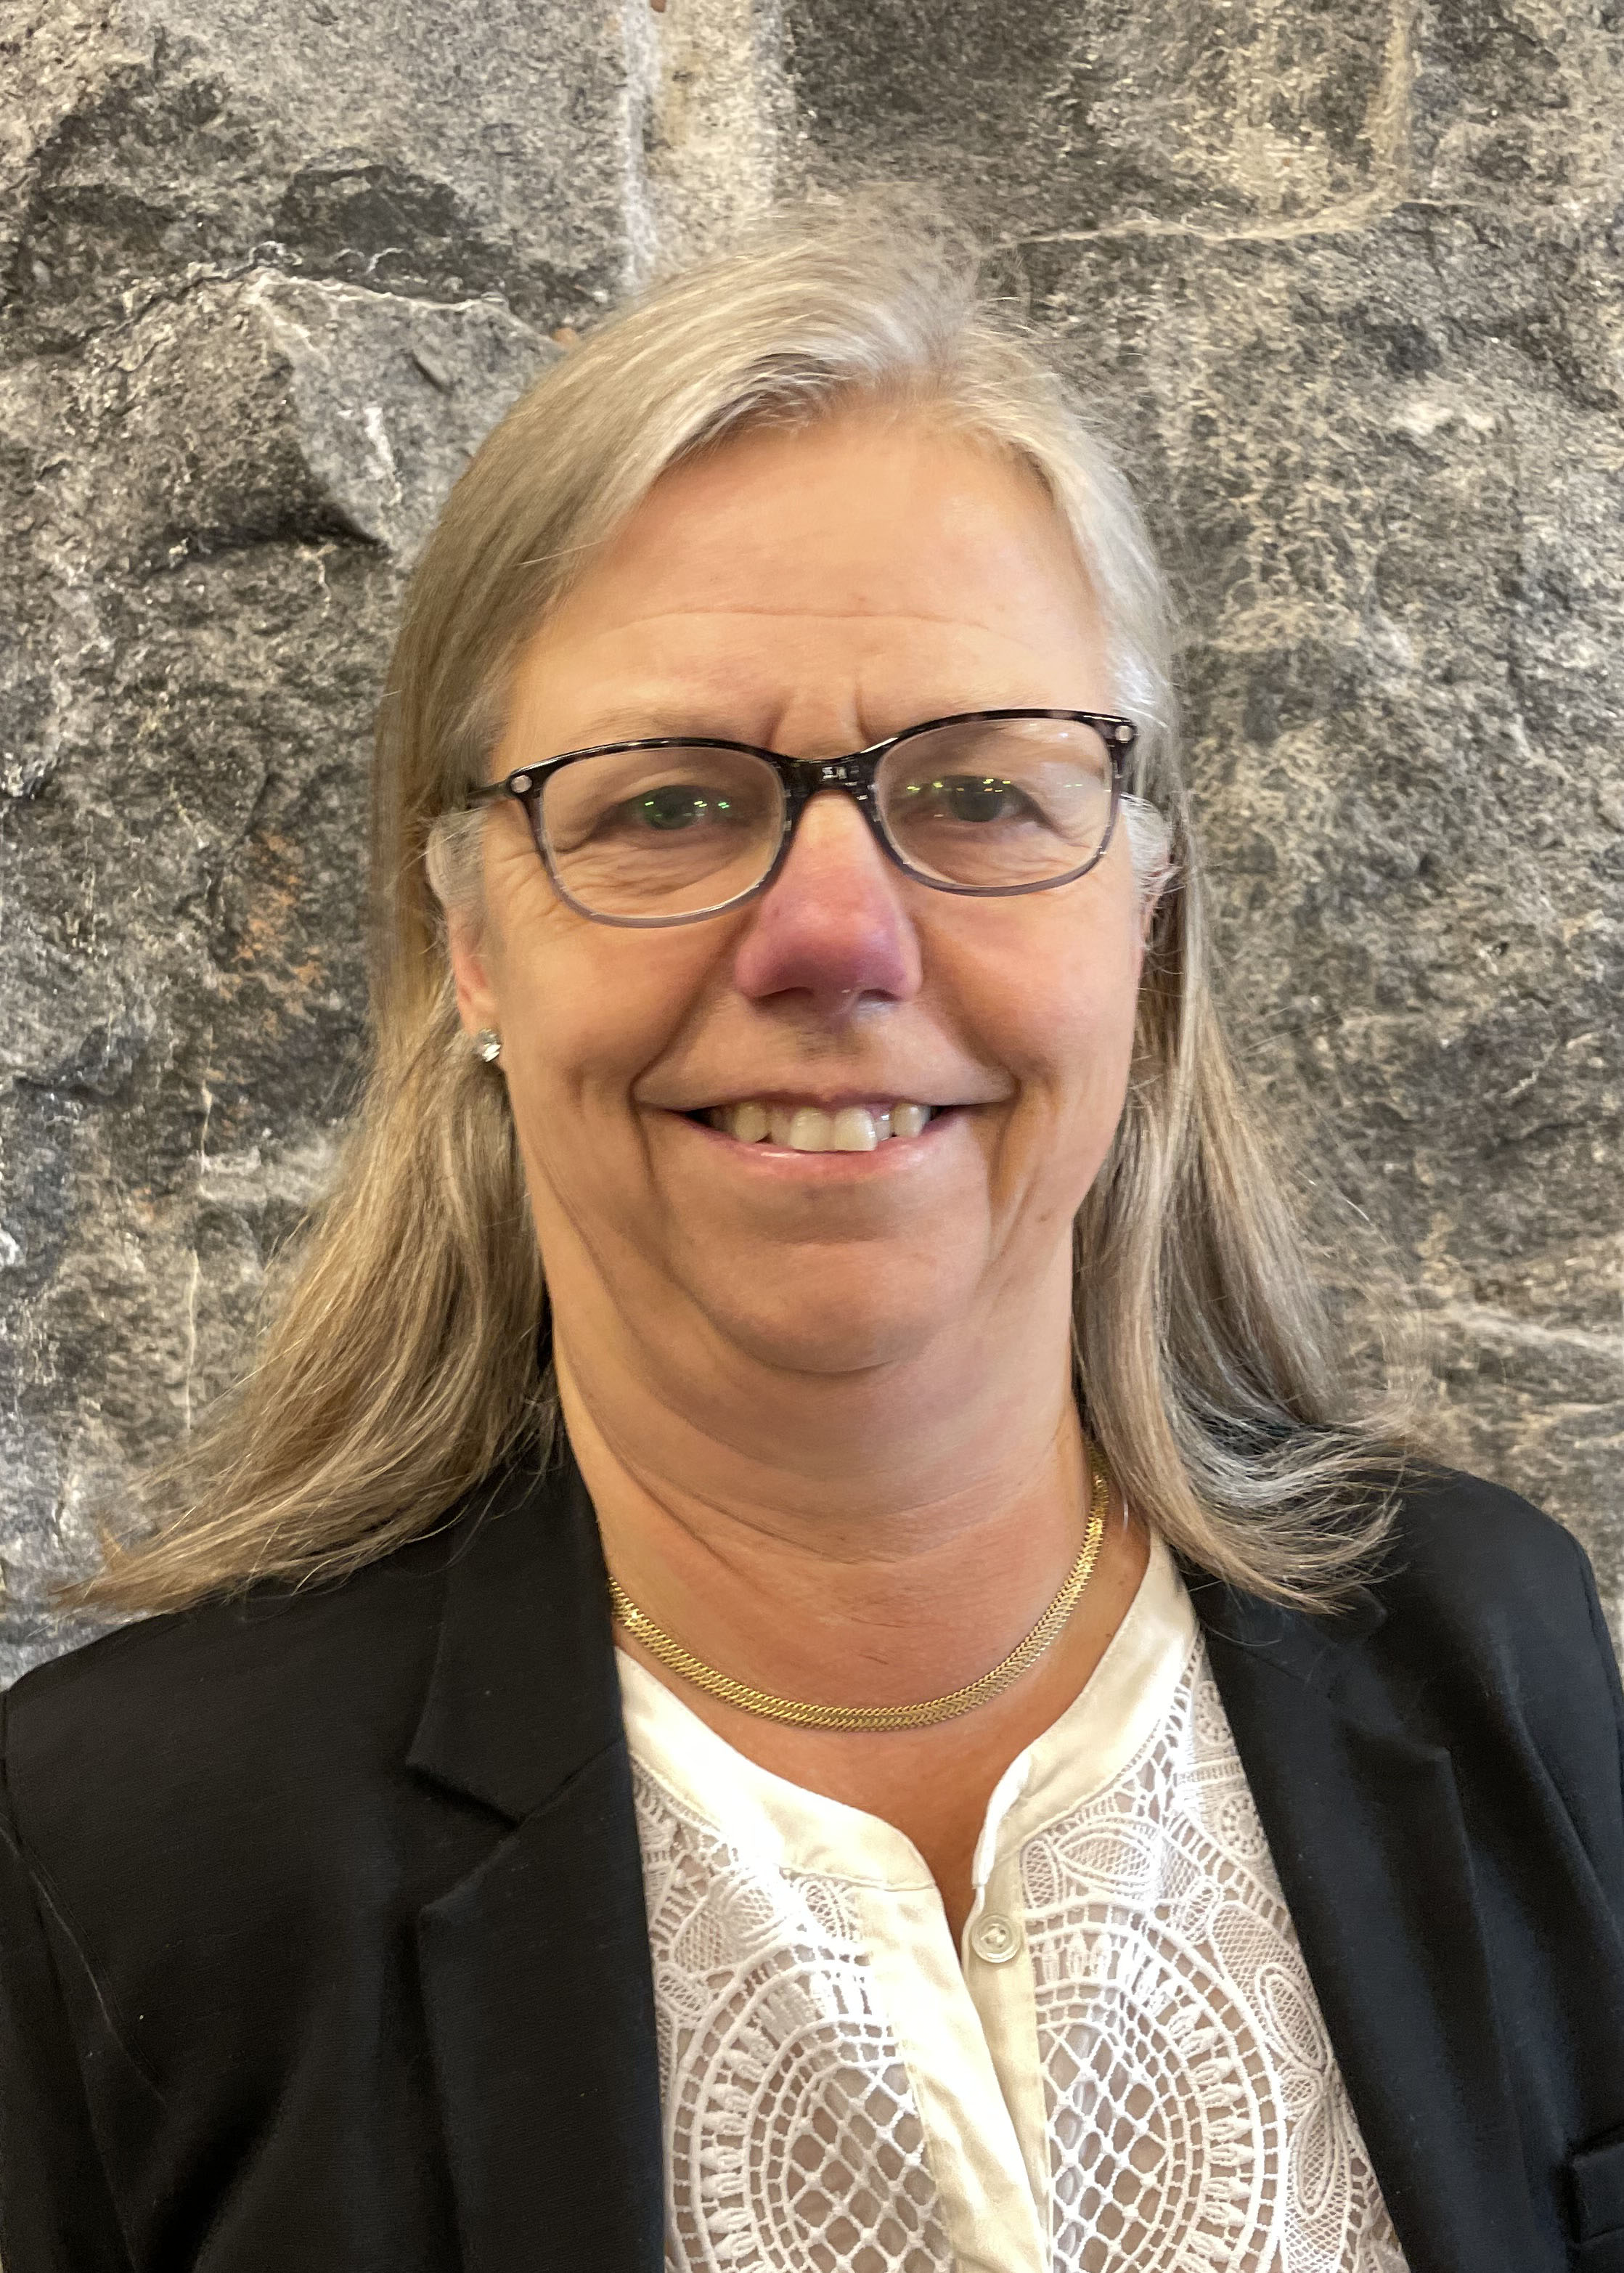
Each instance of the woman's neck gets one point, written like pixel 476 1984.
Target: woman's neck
pixel 918 1538
pixel 872 1546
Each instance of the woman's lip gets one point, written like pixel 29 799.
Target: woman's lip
pixel 793 1100
pixel 765 1153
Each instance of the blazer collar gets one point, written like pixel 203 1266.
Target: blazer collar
pixel 537 1981
pixel 1364 1825
pixel 524 1690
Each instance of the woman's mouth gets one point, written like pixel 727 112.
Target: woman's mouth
pixel 819 1128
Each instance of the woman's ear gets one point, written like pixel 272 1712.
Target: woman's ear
pixel 1150 844
pixel 1150 900
pixel 452 858
pixel 476 997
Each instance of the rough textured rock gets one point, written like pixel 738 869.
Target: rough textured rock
pixel 1347 286
pixel 271 405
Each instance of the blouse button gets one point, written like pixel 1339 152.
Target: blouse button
pixel 996 1938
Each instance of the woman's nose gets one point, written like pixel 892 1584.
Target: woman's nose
pixel 832 925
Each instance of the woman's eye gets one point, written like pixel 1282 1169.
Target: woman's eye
pixel 674 806
pixel 971 798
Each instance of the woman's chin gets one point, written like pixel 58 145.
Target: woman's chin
pixel 827 1328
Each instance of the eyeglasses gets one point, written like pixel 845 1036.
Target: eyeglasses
pixel 675 828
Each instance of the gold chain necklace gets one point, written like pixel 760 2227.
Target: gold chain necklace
pixel 1025 1654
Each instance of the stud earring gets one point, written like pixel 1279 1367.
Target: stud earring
pixel 488 1045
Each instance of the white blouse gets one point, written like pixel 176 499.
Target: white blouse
pixel 1123 2070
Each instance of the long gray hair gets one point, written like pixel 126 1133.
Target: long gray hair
pixel 408 1354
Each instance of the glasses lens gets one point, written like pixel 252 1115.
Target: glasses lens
pixel 996 802
pixel 661 833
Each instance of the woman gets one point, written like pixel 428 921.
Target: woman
pixel 789 1660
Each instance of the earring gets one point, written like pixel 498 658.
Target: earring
pixel 488 1045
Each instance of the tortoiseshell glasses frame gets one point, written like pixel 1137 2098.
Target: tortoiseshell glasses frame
pixel 801 779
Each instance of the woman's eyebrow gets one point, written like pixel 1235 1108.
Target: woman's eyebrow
pixel 660 717
pixel 636 725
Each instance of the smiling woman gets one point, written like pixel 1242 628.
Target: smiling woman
pixel 816 590
pixel 792 1656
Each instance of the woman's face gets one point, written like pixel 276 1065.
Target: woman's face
pixel 811 593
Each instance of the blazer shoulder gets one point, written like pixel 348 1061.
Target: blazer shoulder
pixel 265 1689
pixel 1487 1595
pixel 1465 1551
pixel 1459 1533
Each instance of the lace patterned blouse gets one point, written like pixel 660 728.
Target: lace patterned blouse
pixel 1123 2070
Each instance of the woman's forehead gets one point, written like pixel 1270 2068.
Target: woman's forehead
pixel 855 515
pixel 881 552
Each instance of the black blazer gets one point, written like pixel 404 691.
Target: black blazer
pixel 322 1942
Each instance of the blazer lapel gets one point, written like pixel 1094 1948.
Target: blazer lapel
pixel 1366 1829
pixel 536 1972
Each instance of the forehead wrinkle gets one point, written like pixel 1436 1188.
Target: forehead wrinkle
pixel 879 712
pixel 665 687
pixel 730 688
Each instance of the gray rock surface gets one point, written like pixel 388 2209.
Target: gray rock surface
pixel 1347 288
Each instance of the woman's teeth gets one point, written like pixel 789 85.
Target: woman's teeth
pixel 808 1128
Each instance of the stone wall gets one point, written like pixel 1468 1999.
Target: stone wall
pixel 1347 284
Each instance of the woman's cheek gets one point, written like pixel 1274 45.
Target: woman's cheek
pixel 1060 1008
